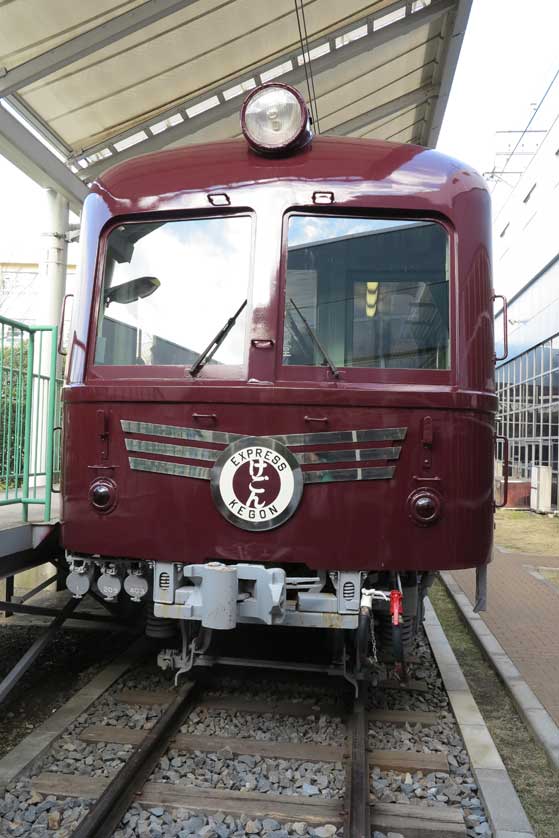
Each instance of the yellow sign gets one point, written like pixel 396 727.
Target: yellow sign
pixel 371 299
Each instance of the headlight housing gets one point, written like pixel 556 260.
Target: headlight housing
pixel 424 507
pixel 275 119
pixel 103 494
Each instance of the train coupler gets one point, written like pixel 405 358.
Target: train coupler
pixel 218 595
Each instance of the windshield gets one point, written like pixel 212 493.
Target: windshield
pixel 168 289
pixel 373 291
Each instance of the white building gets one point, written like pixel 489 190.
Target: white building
pixel 526 264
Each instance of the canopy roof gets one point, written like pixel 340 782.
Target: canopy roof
pixel 106 80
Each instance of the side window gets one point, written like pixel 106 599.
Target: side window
pixel 374 292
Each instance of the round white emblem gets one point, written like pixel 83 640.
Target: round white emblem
pixel 257 483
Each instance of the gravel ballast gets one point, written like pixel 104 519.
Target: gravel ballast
pixel 26 813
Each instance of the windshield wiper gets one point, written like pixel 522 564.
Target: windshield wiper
pixel 333 368
pixel 214 345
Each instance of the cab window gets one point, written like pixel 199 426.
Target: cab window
pixel 367 293
pixel 168 289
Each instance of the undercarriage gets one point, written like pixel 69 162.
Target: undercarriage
pixel 371 614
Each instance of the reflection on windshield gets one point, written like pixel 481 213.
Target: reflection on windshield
pixel 131 291
pixel 171 285
pixel 374 292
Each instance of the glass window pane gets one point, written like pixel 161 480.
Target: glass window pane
pixel 555 386
pixel 373 293
pixel 547 356
pixel 554 419
pixel 169 287
pixel 539 350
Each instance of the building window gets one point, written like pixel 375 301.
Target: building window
pixel 528 390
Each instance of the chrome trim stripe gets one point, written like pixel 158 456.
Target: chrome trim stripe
pixel 350 455
pixel 185 451
pixel 319 476
pixel 348 474
pixel 225 438
pixel 176 432
pixel 326 437
pixel 177 469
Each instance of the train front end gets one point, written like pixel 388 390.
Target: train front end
pixel 279 396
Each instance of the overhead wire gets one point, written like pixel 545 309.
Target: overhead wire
pixel 527 127
pixel 303 40
pixel 311 74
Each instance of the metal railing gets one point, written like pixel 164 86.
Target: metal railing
pixel 29 404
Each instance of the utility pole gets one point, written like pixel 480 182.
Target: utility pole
pixel 55 257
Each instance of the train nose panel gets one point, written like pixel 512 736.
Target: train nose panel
pixel 257 481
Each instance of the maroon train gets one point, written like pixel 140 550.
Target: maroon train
pixel 279 402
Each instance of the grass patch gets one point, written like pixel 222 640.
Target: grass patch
pixel 527 532
pixel 536 783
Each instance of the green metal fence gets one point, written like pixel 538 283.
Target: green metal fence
pixel 29 406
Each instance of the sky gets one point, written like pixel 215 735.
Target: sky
pixel 508 58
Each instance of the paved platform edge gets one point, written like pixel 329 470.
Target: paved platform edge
pixel 32 748
pixel 15 537
pixel 504 810
pixel 543 728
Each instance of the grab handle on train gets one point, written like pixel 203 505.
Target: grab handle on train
pixel 505 327
pixel 62 350
pixel 57 428
pixel 505 483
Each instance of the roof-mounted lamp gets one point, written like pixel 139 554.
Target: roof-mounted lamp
pixel 275 119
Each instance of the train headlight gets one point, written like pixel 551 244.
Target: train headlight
pixel 103 494
pixel 424 507
pixel 275 119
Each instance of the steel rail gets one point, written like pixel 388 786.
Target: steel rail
pixel 44 611
pixel 106 813
pixel 29 594
pixel 357 823
pixel 18 671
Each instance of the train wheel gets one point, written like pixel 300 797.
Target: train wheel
pixel 397 644
pixel 396 641
pixel 158 627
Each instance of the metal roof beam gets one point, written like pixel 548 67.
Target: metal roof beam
pixel 26 152
pixel 323 64
pixel 450 61
pixel 94 39
pixel 401 103
pixel 32 118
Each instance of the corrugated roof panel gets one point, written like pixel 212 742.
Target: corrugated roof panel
pixel 365 83
pixel 207 43
pixel 31 27
pixel 404 127
pixel 111 79
pixel 222 129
